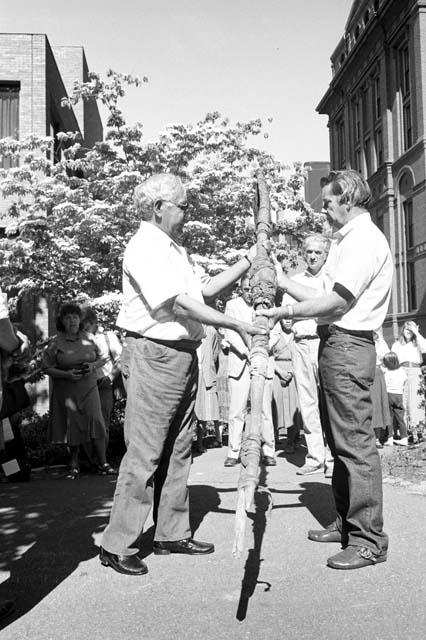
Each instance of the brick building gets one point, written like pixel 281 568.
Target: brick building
pixel 34 77
pixel 376 106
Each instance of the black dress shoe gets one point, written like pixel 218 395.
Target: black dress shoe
pixel 230 462
pixel 190 546
pixel 331 534
pixel 7 607
pixel 130 565
pixel 355 558
pixel 269 461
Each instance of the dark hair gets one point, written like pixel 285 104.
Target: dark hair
pixel 350 186
pixel 391 361
pixel 90 316
pixel 66 309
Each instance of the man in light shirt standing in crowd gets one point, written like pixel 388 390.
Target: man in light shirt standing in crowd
pixel 304 355
pixel 357 286
pixel 162 313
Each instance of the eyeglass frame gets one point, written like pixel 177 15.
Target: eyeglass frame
pixel 183 207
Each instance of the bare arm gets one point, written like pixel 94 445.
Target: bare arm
pixel 330 304
pixel 223 280
pixel 69 374
pixel 186 307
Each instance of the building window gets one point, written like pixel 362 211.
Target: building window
pixel 404 70
pixel 404 85
pixel 367 155
pixel 377 105
pixel 341 144
pixel 358 165
pixel 356 115
pixel 411 286
pixel 365 118
pixel 407 124
pixel 379 147
pixel 408 223
pixel 9 118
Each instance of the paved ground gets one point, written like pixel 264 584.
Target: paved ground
pixel 281 587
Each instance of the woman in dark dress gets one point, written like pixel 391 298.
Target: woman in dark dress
pixel 72 359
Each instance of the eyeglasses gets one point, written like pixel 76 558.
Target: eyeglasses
pixel 183 206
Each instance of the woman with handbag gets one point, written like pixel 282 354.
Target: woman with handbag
pixel 72 360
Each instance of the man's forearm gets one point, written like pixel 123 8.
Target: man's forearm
pixel 316 307
pixel 186 307
pixel 223 280
pixel 295 289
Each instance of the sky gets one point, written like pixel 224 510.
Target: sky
pixel 244 58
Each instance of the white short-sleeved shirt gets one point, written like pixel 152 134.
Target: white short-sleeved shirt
pixel 156 270
pixel 307 327
pixel 395 380
pixel 359 264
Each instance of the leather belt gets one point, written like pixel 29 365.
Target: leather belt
pixel 310 337
pixel 410 364
pixel 179 345
pixel 325 330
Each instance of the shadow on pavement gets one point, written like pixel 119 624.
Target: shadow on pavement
pixel 315 496
pixel 46 531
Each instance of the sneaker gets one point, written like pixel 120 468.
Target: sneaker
pixel 389 443
pixel 403 442
pixel 308 469
pixel 379 444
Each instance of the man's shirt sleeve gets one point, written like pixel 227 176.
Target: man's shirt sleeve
pixel 154 276
pixel 356 269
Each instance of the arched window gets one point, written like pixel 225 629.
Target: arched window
pixel 405 188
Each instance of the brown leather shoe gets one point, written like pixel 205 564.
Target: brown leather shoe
pixel 129 565
pixel 331 534
pixel 355 558
pixel 188 545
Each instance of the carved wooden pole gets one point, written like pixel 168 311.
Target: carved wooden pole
pixel 263 284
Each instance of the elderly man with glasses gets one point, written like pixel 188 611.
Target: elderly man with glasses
pixel 163 313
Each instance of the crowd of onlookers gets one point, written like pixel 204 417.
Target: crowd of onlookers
pixel 397 392
pixel 83 362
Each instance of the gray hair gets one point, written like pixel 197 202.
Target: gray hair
pixel 350 186
pixel 316 237
pixel 162 186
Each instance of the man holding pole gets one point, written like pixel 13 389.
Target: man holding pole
pixel 163 313
pixel 357 286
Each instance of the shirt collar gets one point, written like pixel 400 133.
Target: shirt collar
pixel 359 220
pixel 151 230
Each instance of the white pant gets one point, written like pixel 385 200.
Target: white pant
pixel 304 355
pixel 239 390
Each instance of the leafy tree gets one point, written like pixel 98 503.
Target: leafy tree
pixel 73 218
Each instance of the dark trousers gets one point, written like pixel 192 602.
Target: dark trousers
pixel 347 367
pixel 397 410
pixel 158 430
